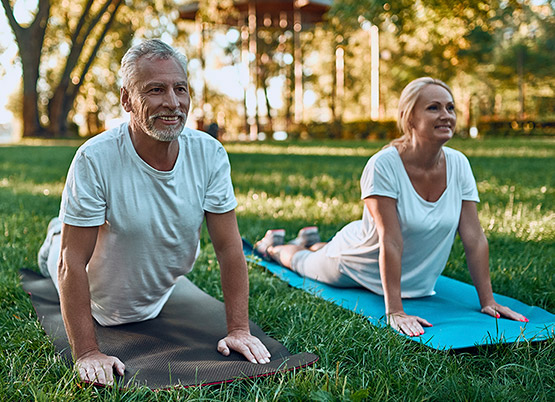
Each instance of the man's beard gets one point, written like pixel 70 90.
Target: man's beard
pixel 166 134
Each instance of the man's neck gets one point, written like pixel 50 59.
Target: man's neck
pixel 161 155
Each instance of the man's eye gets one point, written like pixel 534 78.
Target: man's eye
pixel 156 90
pixel 181 89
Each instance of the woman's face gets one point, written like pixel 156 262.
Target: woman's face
pixel 433 118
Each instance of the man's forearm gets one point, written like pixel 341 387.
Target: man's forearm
pixel 76 310
pixel 235 286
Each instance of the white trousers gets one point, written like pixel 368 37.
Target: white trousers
pixel 50 251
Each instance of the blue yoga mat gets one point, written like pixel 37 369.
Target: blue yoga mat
pixel 454 311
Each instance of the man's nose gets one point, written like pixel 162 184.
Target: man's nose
pixel 171 100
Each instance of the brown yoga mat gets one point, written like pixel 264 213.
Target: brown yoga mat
pixel 178 348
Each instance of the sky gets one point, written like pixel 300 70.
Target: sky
pixel 10 72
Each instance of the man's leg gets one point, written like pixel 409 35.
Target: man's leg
pixel 50 251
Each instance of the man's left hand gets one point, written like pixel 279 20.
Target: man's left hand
pixel 243 342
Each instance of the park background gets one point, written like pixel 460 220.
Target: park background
pixel 312 69
pixel 497 56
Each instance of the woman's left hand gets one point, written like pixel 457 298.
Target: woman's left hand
pixel 497 310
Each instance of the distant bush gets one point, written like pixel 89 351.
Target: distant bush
pixel 387 130
pixel 356 130
pixel 512 128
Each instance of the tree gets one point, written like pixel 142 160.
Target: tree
pixel 482 48
pixel 91 27
pixel 30 40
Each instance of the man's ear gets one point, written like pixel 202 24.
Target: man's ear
pixel 125 100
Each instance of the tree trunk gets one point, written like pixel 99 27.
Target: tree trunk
pixel 268 106
pixel 58 109
pixel 30 66
pixel 29 41
pixel 520 73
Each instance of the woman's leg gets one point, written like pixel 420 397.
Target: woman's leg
pixel 317 246
pixel 283 254
pixel 312 264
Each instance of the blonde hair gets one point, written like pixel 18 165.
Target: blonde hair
pixel 407 100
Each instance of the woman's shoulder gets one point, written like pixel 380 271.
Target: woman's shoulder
pixel 454 153
pixel 455 156
pixel 384 157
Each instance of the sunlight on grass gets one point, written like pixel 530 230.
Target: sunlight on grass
pixel 297 208
pixel 520 211
pixel 519 220
pixel 291 185
pixel 318 186
pixel 263 148
pixel 53 189
pixel 521 152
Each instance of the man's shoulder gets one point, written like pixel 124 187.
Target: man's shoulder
pixel 199 139
pixel 105 142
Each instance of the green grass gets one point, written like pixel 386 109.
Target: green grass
pixel 290 186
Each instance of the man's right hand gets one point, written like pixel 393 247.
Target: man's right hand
pixel 96 367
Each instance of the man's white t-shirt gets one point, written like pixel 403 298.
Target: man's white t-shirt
pixel 428 228
pixel 150 220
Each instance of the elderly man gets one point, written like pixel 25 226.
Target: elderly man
pixel 131 216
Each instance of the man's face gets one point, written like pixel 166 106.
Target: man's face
pixel 159 99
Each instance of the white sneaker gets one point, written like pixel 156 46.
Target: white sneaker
pixel 273 237
pixel 307 237
pixel 54 228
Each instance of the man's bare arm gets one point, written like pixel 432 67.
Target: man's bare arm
pixel 235 285
pixel 76 250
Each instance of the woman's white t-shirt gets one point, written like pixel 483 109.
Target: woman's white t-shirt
pixel 428 228
pixel 150 220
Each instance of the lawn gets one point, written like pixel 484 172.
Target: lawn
pixel 290 185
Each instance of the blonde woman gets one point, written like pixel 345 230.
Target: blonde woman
pixel 417 195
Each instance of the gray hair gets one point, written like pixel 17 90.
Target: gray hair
pixel 152 48
pixel 407 100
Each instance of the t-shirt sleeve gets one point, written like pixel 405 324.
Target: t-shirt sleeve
pixel 469 190
pixel 83 200
pixel 220 197
pixel 378 178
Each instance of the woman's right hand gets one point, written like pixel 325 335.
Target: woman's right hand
pixel 410 325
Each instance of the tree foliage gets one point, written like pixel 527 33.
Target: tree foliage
pixel 60 49
pixel 487 50
pixel 497 55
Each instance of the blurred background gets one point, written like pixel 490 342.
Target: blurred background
pixel 281 69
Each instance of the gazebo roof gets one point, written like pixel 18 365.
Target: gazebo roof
pixel 277 13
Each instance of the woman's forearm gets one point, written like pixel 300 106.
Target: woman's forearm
pixel 390 273
pixel 477 259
